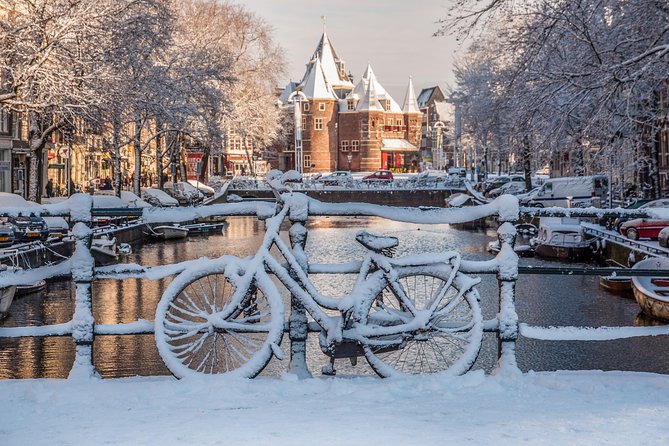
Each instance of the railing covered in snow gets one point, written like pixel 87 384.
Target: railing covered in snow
pixel 83 327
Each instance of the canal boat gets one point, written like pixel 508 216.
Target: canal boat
pixel 561 239
pixel 620 285
pixel 204 228
pixel 35 287
pixel 521 250
pixel 169 232
pixel 104 251
pixel 6 297
pixel 652 293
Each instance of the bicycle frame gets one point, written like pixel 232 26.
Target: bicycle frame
pixel 375 269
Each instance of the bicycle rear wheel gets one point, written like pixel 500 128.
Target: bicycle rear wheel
pixel 204 325
pixel 449 343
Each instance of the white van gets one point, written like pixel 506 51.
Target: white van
pixel 569 191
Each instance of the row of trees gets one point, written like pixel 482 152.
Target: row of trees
pixel 570 76
pixel 134 70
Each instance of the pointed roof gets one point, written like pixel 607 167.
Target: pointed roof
pixel 330 61
pixel 380 92
pixel 370 101
pixel 314 85
pixel 410 103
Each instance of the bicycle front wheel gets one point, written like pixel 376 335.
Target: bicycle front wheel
pixel 205 324
pixel 449 343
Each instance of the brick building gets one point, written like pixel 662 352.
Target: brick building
pixel 350 127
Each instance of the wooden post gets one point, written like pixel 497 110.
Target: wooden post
pixel 297 322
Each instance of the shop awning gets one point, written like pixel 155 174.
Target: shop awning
pixel 398 145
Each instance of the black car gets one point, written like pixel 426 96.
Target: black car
pixel 29 227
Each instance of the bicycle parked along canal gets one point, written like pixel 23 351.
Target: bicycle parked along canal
pixel 409 315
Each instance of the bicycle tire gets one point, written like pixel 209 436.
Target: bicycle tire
pixel 190 343
pixel 435 349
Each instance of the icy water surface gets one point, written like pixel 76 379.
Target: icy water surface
pixel 541 300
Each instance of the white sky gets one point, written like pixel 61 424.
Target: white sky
pixel 395 36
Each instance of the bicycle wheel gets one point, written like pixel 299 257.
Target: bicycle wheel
pixel 207 324
pixel 448 342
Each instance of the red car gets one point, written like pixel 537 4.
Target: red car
pixel 379 175
pixel 643 228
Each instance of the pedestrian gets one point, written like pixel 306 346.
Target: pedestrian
pixel 49 188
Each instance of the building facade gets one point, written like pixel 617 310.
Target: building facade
pixel 349 127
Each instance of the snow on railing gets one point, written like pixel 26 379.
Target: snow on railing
pixel 83 328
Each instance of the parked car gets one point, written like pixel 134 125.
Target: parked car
pixel 7 236
pixel 337 178
pixel 497 182
pixel 185 193
pixel 643 228
pixel 569 191
pixel 663 237
pixel 158 197
pixel 641 204
pixel 512 188
pixel 29 227
pixel 383 176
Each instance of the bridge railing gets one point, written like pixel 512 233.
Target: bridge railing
pixel 83 327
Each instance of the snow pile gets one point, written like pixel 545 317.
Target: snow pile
pixel 612 408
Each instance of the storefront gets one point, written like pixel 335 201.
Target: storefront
pixel 399 155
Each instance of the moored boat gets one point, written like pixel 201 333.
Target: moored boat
pixel 621 285
pixel 652 293
pixel 104 251
pixel 6 296
pixel 560 240
pixel 170 232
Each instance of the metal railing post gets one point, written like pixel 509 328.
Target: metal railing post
pixel 507 275
pixel 83 323
pixel 297 322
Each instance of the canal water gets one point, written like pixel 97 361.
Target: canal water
pixel 541 300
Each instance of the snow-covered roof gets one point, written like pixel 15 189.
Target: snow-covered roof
pixel 410 104
pixel 329 61
pixel 369 101
pixel 283 98
pixel 314 85
pixel 398 145
pixel 444 110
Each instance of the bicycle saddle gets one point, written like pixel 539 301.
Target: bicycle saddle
pixel 376 243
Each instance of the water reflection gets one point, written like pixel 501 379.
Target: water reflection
pixel 541 300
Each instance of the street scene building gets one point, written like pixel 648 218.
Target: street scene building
pixel 345 126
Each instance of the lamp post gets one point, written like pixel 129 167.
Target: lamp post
pixel 296 98
pixel 438 126
pixel 349 158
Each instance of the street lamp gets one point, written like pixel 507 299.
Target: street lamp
pixel 438 126
pixel 349 158
pixel 296 98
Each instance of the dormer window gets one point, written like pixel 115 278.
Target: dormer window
pixel 306 106
pixel 350 105
pixel 387 104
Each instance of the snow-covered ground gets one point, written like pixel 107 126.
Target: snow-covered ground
pixel 549 408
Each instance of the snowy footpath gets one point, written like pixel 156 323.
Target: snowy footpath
pixel 561 408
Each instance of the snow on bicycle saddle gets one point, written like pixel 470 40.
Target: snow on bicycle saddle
pixel 376 243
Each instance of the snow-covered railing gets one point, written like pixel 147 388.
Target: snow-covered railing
pixel 83 328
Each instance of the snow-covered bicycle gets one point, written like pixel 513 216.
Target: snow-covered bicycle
pixel 409 315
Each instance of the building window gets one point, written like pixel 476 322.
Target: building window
pixel 304 123
pixel 318 124
pixel 355 146
pixel 399 122
pixel 307 161
pixel 4 121
pixel 389 122
pixel 350 105
pixel 306 106
pixel 387 104
pixel 321 106
pixel 344 146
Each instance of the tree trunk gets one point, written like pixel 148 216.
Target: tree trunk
pixel 159 156
pixel 138 157
pixel 117 157
pixel 202 177
pixel 527 166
